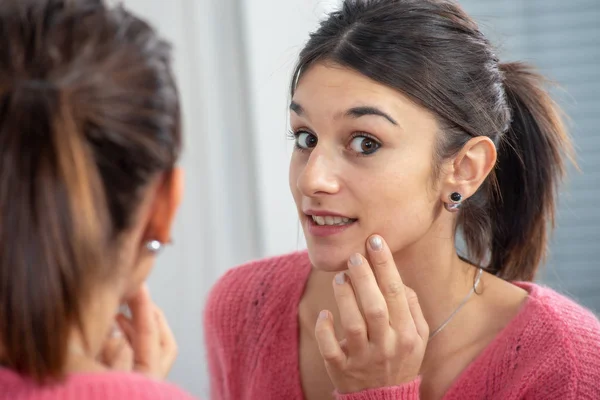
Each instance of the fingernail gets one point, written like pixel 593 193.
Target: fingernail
pixel 376 243
pixel 355 260
pixel 340 278
pixel 323 314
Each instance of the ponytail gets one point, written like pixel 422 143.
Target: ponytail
pixel 52 227
pixel 529 170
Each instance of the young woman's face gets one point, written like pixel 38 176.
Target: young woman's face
pixel 363 164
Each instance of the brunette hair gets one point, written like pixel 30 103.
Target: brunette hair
pixel 89 114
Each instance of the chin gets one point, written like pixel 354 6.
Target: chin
pixel 133 287
pixel 129 292
pixel 331 258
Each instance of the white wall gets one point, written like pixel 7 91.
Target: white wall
pixel 233 61
pixel 275 31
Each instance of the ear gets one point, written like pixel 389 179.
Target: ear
pixel 470 167
pixel 169 193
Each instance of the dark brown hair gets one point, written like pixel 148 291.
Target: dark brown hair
pixel 433 52
pixel 89 113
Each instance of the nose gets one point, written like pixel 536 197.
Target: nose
pixel 318 177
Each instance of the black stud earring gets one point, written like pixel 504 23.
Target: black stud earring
pixel 455 202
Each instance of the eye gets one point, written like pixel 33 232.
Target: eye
pixel 364 145
pixel 305 140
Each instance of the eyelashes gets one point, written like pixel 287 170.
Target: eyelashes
pixel 300 137
pixel 360 144
pixel 364 144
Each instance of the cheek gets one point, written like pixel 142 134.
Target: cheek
pixel 137 277
pixel 135 267
pixel 293 174
pixel 400 205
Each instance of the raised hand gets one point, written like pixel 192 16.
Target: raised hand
pixel 385 331
pixel 152 341
pixel 117 353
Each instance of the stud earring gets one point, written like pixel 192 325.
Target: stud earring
pixel 154 246
pixel 455 202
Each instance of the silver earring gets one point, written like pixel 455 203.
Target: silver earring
pixel 455 202
pixel 154 246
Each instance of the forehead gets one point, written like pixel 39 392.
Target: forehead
pixel 328 90
pixel 331 80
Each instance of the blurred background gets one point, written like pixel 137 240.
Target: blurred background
pixel 233 62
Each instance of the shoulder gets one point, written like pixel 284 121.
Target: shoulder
pixel 130 386
pixel 94 386
pixel 575 328
pixel 263 284
pixel 574 325
pixel 565 338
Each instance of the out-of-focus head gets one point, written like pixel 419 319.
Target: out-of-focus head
pixel 89 139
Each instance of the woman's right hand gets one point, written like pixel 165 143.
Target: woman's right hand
pixel 385 331
pixel 151 339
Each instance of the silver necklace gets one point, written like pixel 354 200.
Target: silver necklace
pixel 462 303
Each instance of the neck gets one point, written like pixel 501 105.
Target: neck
pixel 85 348
pixel 440 278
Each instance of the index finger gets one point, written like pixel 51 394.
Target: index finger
pixel 142 309
pixel 167 340
pixel 143 321
pixel 389 281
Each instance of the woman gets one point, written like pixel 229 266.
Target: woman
pixel 408 127
pixel 89 139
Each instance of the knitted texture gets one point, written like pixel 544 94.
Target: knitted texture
pixel 93 386
pixel 409 391
pixel 549 351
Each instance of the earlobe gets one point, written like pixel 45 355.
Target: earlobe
pixel 454 202
pixel 471 167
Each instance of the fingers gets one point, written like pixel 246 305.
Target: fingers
pixel 351 319
pixel 417 314
pixel 126 327
pixel 143 330
pixel 142 313
pixel 153 341
pixel 329 346
pixel 390 283
pixel 373 303
pixel 167 341
pixel 393 329
pixel 117 353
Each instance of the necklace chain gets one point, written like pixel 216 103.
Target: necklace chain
pixel 461 305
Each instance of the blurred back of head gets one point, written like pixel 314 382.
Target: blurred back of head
pixel 89 114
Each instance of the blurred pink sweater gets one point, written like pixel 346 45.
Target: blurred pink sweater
pixel 549 351
pixel 92 386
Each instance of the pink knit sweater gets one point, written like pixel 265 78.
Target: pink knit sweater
pixel 92 386
pixel 549 351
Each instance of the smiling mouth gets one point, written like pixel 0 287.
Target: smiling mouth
pixel 331 220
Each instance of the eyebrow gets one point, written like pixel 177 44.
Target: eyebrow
pixel 357 112
pixel 297 108
pixel 354 112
